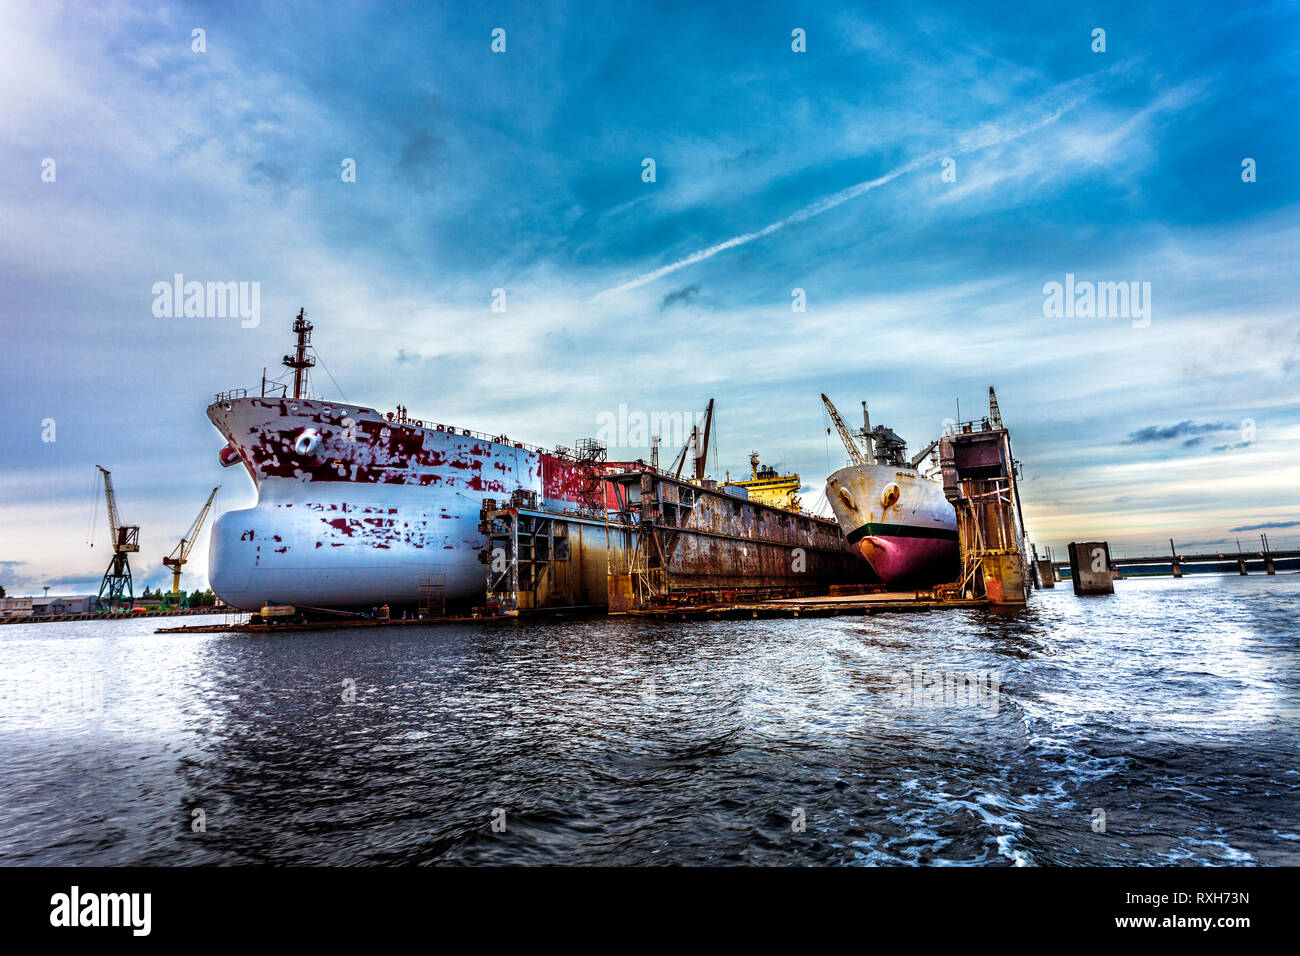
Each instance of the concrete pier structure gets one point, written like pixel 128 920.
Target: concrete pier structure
pixel 1090 567
pixel 1046 573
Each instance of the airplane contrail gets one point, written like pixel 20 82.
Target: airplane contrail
pixel 979 138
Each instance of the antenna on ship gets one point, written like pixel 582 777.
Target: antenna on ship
pixel 300 361
pixel 867 435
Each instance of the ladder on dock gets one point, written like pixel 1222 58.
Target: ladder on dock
pixel 433 595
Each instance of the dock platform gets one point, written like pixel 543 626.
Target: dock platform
pixel 883 602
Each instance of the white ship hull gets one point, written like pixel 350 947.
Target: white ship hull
pixel 355 510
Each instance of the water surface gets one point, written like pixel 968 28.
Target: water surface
pixel 1171 708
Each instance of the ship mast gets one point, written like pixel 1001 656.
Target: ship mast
pixel 300 361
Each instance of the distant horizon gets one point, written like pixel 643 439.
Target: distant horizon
pixel 649 209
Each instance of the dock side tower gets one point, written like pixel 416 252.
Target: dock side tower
pixel 980 480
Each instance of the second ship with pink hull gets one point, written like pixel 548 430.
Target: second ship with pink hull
pixel 893 516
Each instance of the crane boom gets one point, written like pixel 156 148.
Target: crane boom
pixel 113 522
pixel 920 456
pixel 181 553
pixel 679 461
pixel 693 445
pixel 851 446
pixel 702 451
pixel 182 550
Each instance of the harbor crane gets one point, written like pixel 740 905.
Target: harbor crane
pixel 697 445
pixel 181 553
pixel 881 444
pixel 995 413
pixel 125 540
pixel 856 455
pixel 923 454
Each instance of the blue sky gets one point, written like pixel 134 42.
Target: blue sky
pixel 522 171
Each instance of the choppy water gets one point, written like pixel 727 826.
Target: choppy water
pixel 1172 707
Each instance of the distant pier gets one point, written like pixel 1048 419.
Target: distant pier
pixel 1272 562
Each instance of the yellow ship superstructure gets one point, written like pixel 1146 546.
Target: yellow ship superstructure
pixel 768 488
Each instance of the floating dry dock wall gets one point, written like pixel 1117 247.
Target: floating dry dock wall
pixel 539 560
pixel 678 542
pixel 661 541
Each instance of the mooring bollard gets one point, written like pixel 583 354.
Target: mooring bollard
pixel 1090 568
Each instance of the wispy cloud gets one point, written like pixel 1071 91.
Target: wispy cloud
pixel 1048 110
pixel 1264 526
pixel 1159 433
pixel 680 296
